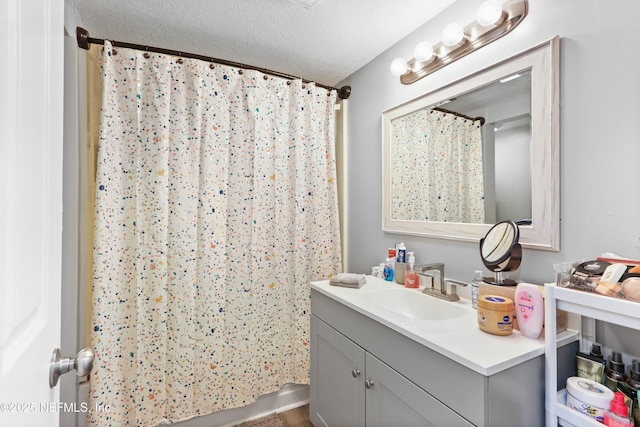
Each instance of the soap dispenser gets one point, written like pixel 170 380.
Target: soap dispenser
pixel 411 279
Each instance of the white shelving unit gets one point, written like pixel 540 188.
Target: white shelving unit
pixel 613 310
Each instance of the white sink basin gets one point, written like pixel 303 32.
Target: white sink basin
pixel 414 304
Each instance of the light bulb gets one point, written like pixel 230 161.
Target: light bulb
pixel 398 67
pixel 452 34
pixel 423 51
pixel 489 13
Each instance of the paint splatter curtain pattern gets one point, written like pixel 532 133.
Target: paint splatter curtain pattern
pixel 216 204
pixel 437 168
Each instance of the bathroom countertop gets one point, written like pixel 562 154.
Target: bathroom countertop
pixel 459 339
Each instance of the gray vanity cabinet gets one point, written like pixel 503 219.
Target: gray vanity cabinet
pixel 350 387
pixel 365 374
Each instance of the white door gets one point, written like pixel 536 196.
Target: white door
pixel 31 119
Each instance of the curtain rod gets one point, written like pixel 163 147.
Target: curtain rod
pixel 82 36
pixel 444 110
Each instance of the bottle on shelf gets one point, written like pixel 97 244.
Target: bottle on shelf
pixel 596 352
pixel 615 371
pixel 634 383
pixel 634 374
pixel 618 414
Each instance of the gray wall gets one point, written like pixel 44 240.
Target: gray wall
pixel 599 148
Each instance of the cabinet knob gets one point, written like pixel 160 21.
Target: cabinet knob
pixel 368 383
pixel 355 373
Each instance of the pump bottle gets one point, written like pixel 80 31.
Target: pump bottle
pixel 618 413
pixel 411 279
pixel 615 371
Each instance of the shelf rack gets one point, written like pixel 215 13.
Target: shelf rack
pixel 607 309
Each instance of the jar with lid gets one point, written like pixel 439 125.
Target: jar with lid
pixel 495 314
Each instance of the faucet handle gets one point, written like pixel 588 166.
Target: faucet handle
pixel 454 284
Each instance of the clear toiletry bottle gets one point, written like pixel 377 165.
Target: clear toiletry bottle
pixel 615 371
pixel 411 278
pixel 475 288
pixel 618 414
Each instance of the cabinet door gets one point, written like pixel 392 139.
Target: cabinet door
pixel 337 378
pixel 393 400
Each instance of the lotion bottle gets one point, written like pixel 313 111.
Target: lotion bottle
pixel 529 306
pixel 411 279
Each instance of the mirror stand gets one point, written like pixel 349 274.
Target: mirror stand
pixel 499 280
pixel 501 252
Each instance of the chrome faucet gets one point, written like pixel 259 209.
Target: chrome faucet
pixel 436 267
pixel 441 290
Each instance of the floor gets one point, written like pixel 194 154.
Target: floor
pixel 297 417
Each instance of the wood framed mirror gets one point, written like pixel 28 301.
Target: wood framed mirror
pixel 512 111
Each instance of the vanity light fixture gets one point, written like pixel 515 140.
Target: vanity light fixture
pixel 423 51
pixel 453 35
pixel 398 67
pixel 490 13
pixel 494 20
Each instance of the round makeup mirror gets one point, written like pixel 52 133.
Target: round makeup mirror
pixel 500 251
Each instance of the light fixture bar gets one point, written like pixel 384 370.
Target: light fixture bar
pixel 476 37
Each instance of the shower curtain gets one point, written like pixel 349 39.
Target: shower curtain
pixel 438 168
pixel 216 204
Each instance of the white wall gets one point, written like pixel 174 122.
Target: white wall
pixel 599 147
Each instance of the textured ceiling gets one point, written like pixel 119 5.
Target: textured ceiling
pixel 324 42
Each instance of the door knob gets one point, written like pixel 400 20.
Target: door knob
pixel 82 364
pixel 355 373
pixel 368 383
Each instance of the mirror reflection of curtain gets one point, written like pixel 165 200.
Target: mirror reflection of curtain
pixel 216 204
pixel 438 155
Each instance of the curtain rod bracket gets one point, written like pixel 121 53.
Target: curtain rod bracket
pixel 82 36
